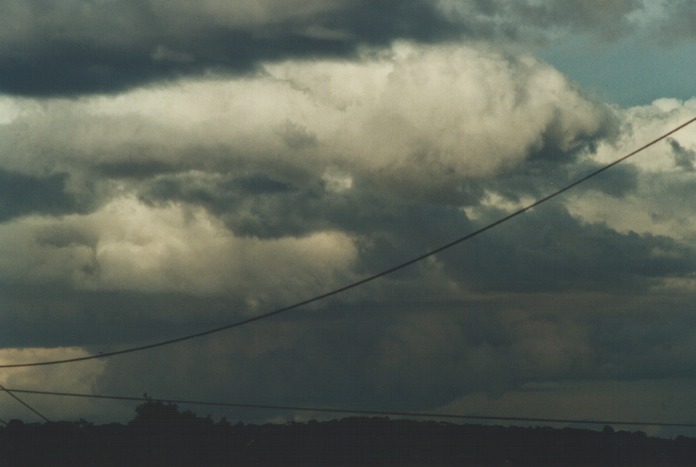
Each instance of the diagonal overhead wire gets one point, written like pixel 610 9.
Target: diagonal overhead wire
pixel 15 397
pixel 361 281
pixel 360 411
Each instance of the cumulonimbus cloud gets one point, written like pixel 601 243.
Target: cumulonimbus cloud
pixel 183 205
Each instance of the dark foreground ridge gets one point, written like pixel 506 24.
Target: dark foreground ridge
pixel 162 435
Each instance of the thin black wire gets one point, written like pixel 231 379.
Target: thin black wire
pixel 360 282
pixel 358 411
pixel 12 394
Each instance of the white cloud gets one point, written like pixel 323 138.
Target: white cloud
pixel 491 199
pixel 642 124
pixel 658 203
pixel 429 111
pixel 127 245
pixel 410 116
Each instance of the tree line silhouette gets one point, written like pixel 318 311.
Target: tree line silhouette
pixel 161 434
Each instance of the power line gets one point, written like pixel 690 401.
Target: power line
pixel 359 282
pixel 12 394
pixel 358 411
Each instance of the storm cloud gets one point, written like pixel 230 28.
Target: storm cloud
pixel 94 46
pixel 170 167
pixel 83 46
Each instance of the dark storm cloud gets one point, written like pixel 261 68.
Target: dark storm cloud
pixel 548 250
pixel 678 23
pixel 92 46
pixel 540 177
pixel 619 183
pixel 22 194
pixel 683 158
pixel 256 204
pixel 87 46
pixel 283 169
pixel 67 68
pixel 665 336
pixel 273 181
pixel 110 319
pixel 133 169
pixel 214 200
pixel 266 206
pixel 414 356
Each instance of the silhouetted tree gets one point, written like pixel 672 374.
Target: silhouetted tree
pixel 157 413
pixel 161 434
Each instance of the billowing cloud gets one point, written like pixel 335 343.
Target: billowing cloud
pixel 298 129
pixel 281 150
pixel 129 246
pixel 659 202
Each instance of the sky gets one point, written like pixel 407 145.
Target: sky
pixel 169 167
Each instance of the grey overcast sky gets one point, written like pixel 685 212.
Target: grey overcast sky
pixel 167 167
